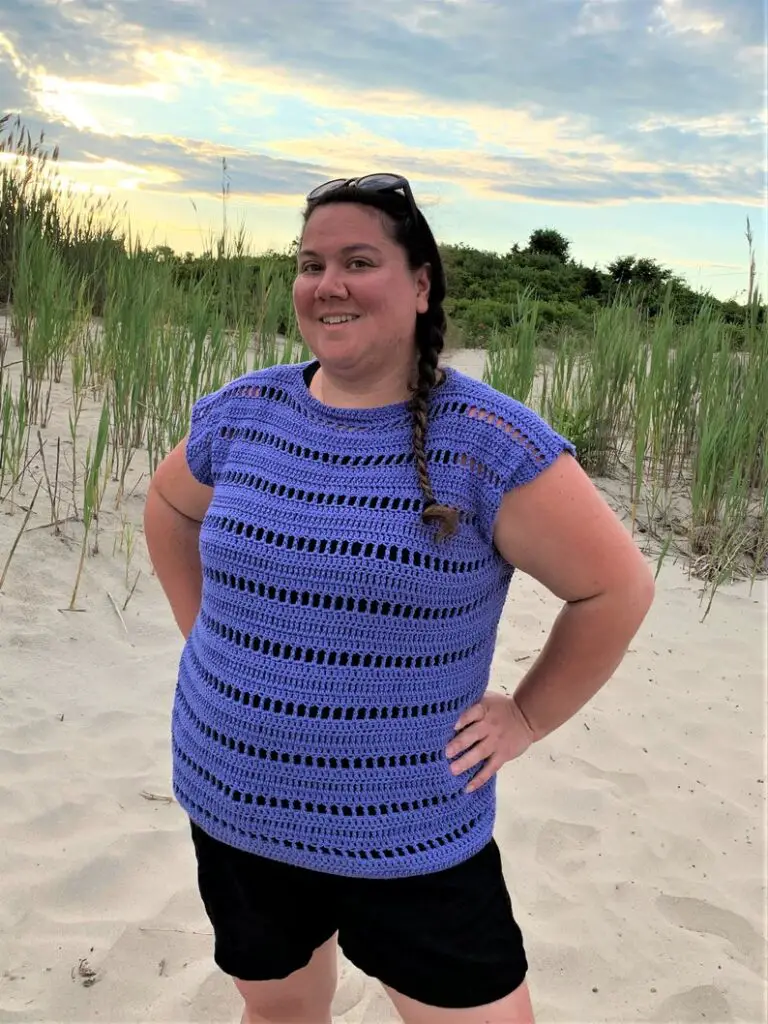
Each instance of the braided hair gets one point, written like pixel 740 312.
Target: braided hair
pixel 417 241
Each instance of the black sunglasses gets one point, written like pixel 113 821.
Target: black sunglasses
pixel 382 183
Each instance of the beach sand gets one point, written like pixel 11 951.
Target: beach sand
pixel 633 839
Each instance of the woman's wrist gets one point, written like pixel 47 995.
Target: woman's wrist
pixel 523 719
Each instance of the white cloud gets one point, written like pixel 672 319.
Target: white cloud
pixel 543 99
pixel 681 16
pixel 597 17
pixel 732 125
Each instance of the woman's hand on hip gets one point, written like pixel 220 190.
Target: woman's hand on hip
pixel 493 731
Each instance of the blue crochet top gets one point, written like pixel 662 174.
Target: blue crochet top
pixel 338 640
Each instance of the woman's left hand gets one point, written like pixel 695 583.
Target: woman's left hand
pixel 496 731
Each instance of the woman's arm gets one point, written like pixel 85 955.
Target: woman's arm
pixel 559 530
pixel 175 507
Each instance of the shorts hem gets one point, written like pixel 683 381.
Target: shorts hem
pixel 229 966
pixel 441 996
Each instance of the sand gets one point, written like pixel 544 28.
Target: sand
pixel 634 839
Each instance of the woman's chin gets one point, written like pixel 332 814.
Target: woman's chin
pixel 337 350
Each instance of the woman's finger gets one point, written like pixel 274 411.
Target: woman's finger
pixel 467 737
pixel 474 714
pixel 487 772
pixel 478 753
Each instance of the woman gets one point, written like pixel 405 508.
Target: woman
pixel 336 540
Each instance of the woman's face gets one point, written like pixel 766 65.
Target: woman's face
pixel 355 296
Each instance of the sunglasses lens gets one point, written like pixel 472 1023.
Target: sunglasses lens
pixel 374 181
pixel 327 186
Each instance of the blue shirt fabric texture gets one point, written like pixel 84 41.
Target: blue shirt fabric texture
pixel 338 640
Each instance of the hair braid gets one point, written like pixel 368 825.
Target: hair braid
pixel 416 239
pixel 429 341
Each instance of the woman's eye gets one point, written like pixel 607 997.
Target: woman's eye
pixel 315 268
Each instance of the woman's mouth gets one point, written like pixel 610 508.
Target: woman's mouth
pixel 338 321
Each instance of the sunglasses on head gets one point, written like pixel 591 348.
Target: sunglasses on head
pixel 381 183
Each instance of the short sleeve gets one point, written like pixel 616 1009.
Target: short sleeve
pixel 199 448
pixel 533 445
pixel 516 445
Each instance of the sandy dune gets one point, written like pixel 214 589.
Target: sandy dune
pixel 634 839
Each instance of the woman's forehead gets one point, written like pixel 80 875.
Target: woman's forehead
pixel 340 225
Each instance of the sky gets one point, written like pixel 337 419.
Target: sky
pixel 634 127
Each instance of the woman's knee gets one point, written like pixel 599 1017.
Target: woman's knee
pixel 288 1007
pixel 514 1008
pixel 304 997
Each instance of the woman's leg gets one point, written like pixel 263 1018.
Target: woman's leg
pixel 512 1009
pixel 274 929
pixel 445 945
pixel 304 997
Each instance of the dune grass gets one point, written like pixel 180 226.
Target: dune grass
pixel 669 410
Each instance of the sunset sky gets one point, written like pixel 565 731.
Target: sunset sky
pixel 632 126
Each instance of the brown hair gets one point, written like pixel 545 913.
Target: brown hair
pixel 418 243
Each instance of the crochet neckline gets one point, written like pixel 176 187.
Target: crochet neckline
pixel 392 412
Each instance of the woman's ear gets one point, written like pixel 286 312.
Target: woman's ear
pixel 423 283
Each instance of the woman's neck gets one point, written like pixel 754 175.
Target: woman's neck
pixel 387 388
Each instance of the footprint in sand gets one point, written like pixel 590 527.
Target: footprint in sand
pixel 703 1003
pixel 561 843
pixel 627 783
pixel 706 918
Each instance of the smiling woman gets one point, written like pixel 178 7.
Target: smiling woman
pixel 336 540
pixel 356 305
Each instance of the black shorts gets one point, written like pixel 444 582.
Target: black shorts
pixel 446 939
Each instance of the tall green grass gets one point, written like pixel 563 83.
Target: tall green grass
pixel 49 312
pixel 84 230
pixel 669 409
pixel 672 411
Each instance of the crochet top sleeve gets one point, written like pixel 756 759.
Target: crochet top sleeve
pixel 201 436
pixel 509 445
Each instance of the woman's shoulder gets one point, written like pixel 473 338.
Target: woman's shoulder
pixel 499 440
pixel 475 399
pixel 508 436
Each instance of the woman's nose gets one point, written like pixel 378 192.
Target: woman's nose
pixel 331 285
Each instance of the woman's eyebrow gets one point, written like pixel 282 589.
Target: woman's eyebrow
pixel 357 247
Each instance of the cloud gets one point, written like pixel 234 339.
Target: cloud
pixel 531 54
pixel 580 101
pixel 12 78
pixel 602 58
pixel 189 167
pixel 567 175
pixel 571 175
pixel 71 38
